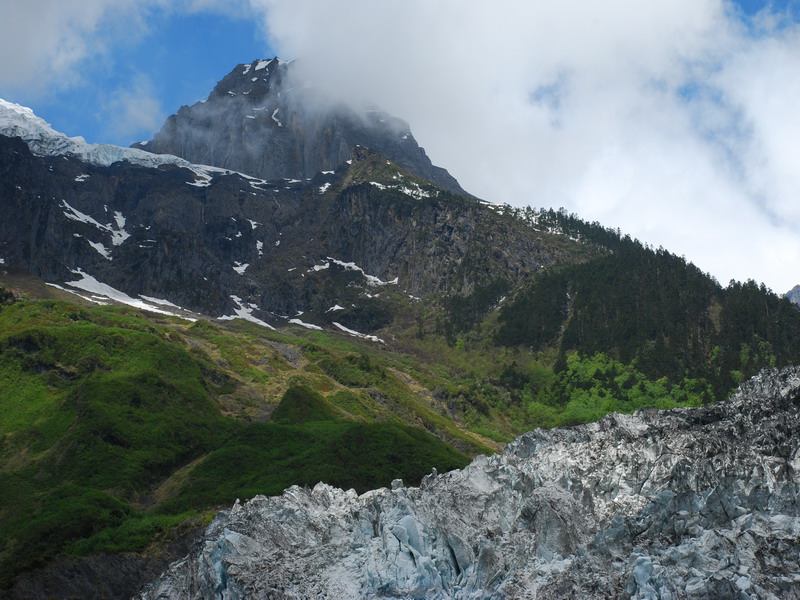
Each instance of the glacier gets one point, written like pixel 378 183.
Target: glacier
pixel 689 503
pixel 20 121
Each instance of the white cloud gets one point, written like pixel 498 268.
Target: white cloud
pixel 42 41
pixel 52 49
pixel 672 120
pixel 46 43
pixel 134 111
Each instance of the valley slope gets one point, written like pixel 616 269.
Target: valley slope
pixel 689 503
pixel 176 335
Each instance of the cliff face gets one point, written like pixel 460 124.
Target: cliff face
pixel 264 120
pixel 219 242
pixel 794 294
pixel 691 503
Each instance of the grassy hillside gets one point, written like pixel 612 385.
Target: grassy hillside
pixel 116 425
pixel 119 425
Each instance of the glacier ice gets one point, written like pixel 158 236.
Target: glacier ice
pixel 689 503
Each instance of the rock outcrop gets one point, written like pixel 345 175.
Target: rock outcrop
pixel 794 294
pixel 690 503
pixel 222 243
pixel 265 120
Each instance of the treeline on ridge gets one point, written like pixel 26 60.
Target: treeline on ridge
pixel 651 309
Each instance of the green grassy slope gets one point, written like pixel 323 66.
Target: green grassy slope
pixel 116 426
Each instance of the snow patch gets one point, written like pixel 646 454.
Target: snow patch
pixel 118 235
pixel 415 192
pixel 2 261
pixel 101 291
pixel 246 69
pixel 82 178
pixel 260 247
pixel 244 312
pixel 324 188
pixel 253 224
pixel 159 301
pixel 76 215
pixel 102 250
pixel 119 219
pixel 328 172
pixel 240 268
pixel 200 182
pixel 262 64
pixel 334 308
pixel 372 281
pixel 306 325
pixel 380 186
pixel 275 118
pixel 92 299
pixel 363 336
pixel 255 184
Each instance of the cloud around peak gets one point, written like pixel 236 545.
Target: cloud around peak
pixel 671 120
pixel 674 121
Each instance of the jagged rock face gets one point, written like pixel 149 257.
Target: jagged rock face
pixel 263 120
pixel 218 242
pixel 690 503
pixel 794 294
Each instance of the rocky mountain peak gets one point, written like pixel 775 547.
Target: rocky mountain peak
pixel 255 79
pixel 794 294
pixel 267 121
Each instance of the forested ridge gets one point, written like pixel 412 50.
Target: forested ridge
pixel 650 309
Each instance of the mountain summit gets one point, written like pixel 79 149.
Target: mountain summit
pixel 264 120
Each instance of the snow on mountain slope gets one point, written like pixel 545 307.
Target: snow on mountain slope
pixel 43 140
pixel 199 237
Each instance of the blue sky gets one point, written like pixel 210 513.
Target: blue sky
pixel 178 59
pixel 175 59
pixel 751 7
pixel 675 120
